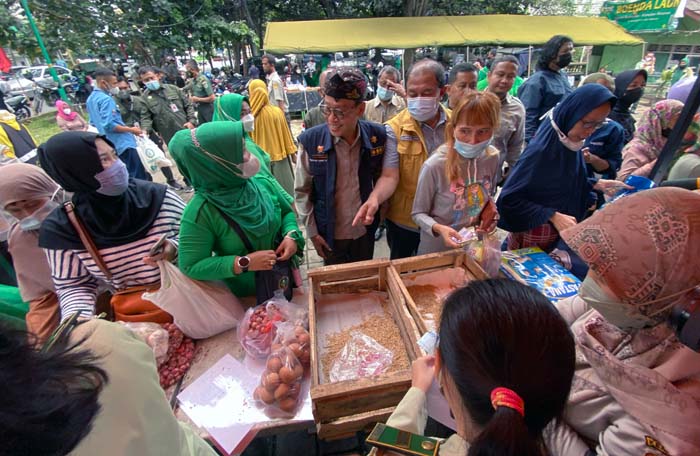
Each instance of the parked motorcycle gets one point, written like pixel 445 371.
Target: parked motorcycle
pixel 19 105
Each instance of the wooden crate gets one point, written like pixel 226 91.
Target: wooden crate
pixel 345 407
pixel 415 266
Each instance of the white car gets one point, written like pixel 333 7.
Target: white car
pixel 14 83
pixel 42 74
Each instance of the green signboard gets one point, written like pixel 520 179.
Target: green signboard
pixel 643 15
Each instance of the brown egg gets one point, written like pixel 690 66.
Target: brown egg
pixel 281 391
pixel 275 348
pixel 298 371
pixel 299 330
pixel 272 381
pixel 287 375
pixel 274 364
pixel 304 339
pixel 296 349
pixel 257 393
pixel 288 405
pixel 266 396
pixel 305 357
pixel 294 390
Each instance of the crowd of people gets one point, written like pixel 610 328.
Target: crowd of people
pixel 602 373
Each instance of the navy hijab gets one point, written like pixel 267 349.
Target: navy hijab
pixel 71 159
pixel 548 177
pixel 621 112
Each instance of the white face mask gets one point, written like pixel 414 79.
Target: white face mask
pixel 248 122
pixel 33 222
pixel 66 111
pixel 467 150
pixel 249 168
pixel 569 143
pixel 422 108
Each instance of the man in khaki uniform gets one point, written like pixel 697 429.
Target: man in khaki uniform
pixel 165 108
pixel 202 93
pixel 275 86
pixel 390 97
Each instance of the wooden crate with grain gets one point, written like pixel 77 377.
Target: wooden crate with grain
pixel 410 269
pixel 344 407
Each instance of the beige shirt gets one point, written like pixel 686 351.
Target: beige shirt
pixel 275 89
pixel 510 136
pixel 347 190
pixel 135 418
pixel 411 415
pixel 376 111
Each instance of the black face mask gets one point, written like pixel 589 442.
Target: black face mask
pixel 564 60
pixel 666 132
pixel 630 97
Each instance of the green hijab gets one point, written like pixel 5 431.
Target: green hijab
pixel 228 107
pixel 208 156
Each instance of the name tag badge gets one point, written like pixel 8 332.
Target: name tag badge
pixel 319 157
pixel 409 138
pixel 377 151
pixel 173 107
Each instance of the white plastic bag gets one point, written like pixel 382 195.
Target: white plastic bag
pixel 150 154
pixel 199 309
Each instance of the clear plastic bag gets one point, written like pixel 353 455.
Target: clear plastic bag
pixel 152 157
pixel 487 252
pixel 297 338
pixel 200 309
pixel 361 356
pixel 280 384
pixel 154 335
pixel 258 328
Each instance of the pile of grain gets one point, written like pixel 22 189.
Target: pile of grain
pixel 427 300
pixel 381 328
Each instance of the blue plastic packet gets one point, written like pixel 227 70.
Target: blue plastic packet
pixel 638 182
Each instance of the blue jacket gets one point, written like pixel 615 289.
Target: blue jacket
pixel 319 143
pixel 540 93
pixel 104 115
pixel 607 143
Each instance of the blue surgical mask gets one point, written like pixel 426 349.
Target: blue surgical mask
pixel 384 94
pixel 114 180
pixel 422 108
pixel 467 150
pixel 153 85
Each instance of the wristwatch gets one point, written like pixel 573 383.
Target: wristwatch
pixel 243 262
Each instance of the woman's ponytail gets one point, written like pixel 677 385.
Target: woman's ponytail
pixel 506 434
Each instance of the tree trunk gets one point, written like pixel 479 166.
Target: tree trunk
pixel 253 26
pixel 237 54
pixel 409 56
pixel 230 59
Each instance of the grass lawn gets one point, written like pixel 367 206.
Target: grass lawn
pixel 42 127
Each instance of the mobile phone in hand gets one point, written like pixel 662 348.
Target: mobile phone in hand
pixel 158 246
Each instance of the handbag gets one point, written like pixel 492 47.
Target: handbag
pixel 266 282
pixel 127 304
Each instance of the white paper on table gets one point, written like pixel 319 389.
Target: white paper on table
pixel 438 409
pixel 221 401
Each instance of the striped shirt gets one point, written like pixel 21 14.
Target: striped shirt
pixel 76 276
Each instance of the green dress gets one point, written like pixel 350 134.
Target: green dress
pixel 211 157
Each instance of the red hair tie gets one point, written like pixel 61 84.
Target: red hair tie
pixel 504 397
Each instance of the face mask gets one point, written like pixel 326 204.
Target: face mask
pixel 632 96
pixel 569 143
pixel 66 111
pixel 384 94
pixel 114 180
pixel 422 108
pixel 250 168
pixel 564 60
pixel 467 150
pixel 112 90
pixel 153 85
pixel 124 95
pixel 622 315
pixel 33 222
pixel 248 123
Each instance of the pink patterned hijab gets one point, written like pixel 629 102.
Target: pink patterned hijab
pixel 60 106
pixel 645 247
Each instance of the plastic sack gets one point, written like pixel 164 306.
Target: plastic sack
pixel 361 356
pixel 280 384
pixel 152 157
pixel 154 335
pixel 296 338
pixel 199 309
pixel 487 252
pixel 258 327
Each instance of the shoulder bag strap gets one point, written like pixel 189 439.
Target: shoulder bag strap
pixel 86 239
pixel 237 228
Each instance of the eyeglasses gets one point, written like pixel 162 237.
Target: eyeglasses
pixel 326 111
pixel 594 125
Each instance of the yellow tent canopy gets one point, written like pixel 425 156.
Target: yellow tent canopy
pixel 414 32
